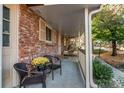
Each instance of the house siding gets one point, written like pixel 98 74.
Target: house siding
pixel 29 43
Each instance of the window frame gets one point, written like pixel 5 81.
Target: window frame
pixel 42 32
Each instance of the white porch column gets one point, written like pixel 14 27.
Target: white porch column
pixel 87 47
pixel 1 13
pixel 59 43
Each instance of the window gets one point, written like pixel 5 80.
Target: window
pixel 45 33
pixel 48 34
pixel 6 26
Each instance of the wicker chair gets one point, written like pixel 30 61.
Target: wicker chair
pixel 26 78
pixel 55 64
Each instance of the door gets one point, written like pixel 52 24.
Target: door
pixel 9 44
pixel 6 75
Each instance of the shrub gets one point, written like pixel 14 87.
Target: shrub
pixel 102 74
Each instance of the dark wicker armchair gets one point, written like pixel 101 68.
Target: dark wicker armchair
pixel 55 64
pixel 27 78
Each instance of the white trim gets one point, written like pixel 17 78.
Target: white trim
pixel 1 27
pixel 86 47
pixel 90 47
pixel 15 38
pixel 16 55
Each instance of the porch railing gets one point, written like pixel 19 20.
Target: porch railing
pixel 82 61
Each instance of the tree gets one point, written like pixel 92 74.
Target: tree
pixel 108 25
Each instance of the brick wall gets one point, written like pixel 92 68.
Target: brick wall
pixel 29 43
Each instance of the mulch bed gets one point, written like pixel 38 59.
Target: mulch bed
pixel 115 61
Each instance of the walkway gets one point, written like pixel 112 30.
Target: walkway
pixel 70 78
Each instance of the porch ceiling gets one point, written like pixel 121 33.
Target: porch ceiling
pixel 66 18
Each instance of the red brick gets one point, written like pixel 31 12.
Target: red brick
pixel 29 36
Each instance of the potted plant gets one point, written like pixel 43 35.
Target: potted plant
pixel 40 62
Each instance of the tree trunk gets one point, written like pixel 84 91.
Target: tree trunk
pixel 114 48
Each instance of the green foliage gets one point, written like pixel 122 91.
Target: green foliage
pixel 108 24
pixel 102 74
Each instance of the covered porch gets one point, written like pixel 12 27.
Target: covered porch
pixel 73 21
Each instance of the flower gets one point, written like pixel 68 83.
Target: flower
pixel 39 61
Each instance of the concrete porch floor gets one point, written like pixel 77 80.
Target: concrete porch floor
pixel 70 78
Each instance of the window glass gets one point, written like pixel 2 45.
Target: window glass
pixel 6 13
pixel 6 40
pixel 48 34
pixel 5 26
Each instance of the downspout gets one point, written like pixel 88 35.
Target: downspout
pixel 92 84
